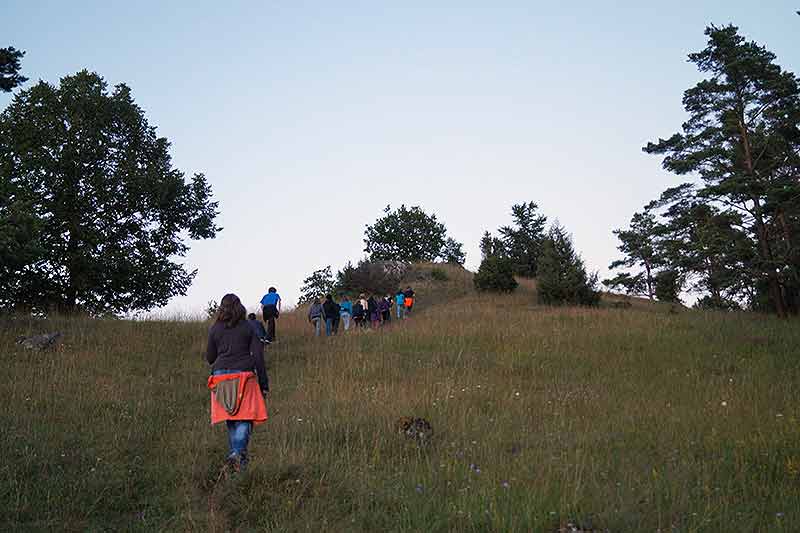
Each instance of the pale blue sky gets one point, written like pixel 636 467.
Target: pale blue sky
pixel 309 117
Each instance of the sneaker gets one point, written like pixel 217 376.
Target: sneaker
pixel 233 463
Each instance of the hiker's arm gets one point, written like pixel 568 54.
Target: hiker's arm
pixel 211 349
pixel 257 349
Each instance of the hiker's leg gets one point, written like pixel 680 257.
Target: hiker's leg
pixel 239 437
pixel 328 326
pixel 271 329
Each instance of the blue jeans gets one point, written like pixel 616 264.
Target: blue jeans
pixel 316 323
pixel 238 431
pixel 328 326
pixel 346 319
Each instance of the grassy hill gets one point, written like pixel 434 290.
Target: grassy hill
pixel 629 419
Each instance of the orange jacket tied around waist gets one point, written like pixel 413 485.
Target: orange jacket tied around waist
pixel 250 403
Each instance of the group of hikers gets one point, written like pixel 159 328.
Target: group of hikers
pixel 364 312
pixel 239 383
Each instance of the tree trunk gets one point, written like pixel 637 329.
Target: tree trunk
pixel 774 283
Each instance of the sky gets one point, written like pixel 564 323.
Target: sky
pixel 308 118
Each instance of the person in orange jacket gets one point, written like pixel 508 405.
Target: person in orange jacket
pixel 239 383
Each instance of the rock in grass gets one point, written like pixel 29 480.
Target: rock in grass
pixel 572 527
pixel 40 342
pixel 415 428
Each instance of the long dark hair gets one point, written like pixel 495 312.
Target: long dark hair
pixel 231 311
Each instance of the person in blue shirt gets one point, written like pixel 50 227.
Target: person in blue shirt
pixel 346 311
pixel 271 309
pixel 399 302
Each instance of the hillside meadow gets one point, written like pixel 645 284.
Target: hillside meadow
pixel 637 419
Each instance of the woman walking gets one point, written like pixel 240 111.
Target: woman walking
pixel 315 315
pixel 385 309
pixel 372 311
pixel 238 381
pixel 345 311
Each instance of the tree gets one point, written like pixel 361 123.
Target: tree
pixel 91 207
pixel 703 247
pixel 523 240
pixel 638 244
pixel 742 139
pixel 452 252
pixel 317 285
pixel 495 274
pixel 562 275
pixel 405 235
pixel 9 69
pixel 491 245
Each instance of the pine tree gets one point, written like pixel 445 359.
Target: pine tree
pixel 742 139
pixel 523 240
pixel 562 275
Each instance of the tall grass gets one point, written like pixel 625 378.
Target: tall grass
pixel 630 420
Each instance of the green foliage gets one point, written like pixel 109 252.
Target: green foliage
pixel 9 69
pixel 452 252
pixel 211 308
pixel 496 274
pixel 742 138
pixel 411 235
pixel 523 241
pixel 668 285
pixel 317 285
pixel 438 274
pixel 92 213
pixel 491 245
pixel 562 275
pixel 638 244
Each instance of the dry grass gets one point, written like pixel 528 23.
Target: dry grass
pixel 633 420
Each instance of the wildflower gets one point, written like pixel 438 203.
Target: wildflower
pixel 419 489
pixel 505 484
pixel 724 404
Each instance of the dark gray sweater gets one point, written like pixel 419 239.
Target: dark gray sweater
pixel 237 348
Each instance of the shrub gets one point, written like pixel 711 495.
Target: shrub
pixel 378 277
pixel 439 275
pixel 495 274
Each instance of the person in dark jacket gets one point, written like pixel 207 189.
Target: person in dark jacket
pixel 236 356
pixel 330 310
pixel 372 311
pixel 258 328
pixel 358 313
pixel 315 315
pixel 384 309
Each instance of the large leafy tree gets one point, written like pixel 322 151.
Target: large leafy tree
pixel 10 65
pixel 523 240
pixel 407 234
pixel 742 139
pixel 91 208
